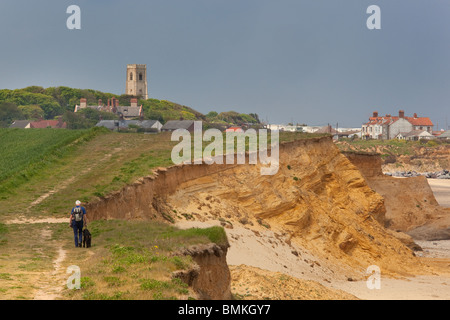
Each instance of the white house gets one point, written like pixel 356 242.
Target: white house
pixel 388 127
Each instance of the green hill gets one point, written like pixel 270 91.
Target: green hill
pixel 28 152
pixel 34 102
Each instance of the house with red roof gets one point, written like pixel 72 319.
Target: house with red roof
pixel 388 126
pixel 42 124
pixel 124 112
pixel 234 129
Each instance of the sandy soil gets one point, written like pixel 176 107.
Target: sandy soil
pixel 417 288
pixel 269 252
pixel 266 250
pixel 434 249
pixel 424 287
pixel 23 219
pixel 50 288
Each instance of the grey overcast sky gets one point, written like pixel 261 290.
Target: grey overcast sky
pixel 306 61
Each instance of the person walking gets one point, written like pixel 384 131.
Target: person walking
pixel 77 222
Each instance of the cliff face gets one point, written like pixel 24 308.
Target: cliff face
pixel 318 198
pixel 211 278
pixel 410 204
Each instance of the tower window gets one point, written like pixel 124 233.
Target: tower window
pixel 140 76
pixel 131 76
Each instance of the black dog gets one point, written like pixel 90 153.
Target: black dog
pixel 86 238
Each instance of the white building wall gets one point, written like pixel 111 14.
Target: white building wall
pixel 401 125
pixel 158 126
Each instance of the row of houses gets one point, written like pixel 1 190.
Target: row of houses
pixel 378 127
pixel 147 125
pixel 155 125
pixel 41 124
pixel 397 127
pixel 132 111
pixel 335 132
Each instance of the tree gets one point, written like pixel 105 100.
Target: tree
pixel 86 118
pixel 212 114
pixel 125 99
pixel 255 116
pixel 8 113
pixel 76 120
pixel 32 111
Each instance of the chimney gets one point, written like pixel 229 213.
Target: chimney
pixel 375 114
pixel 134 102
pixel 114 103
pixel 83 103
pixel 401 114
pixel 415 115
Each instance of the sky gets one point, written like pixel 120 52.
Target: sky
pixel 300 61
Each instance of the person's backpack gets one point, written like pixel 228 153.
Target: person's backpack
pixel 77 214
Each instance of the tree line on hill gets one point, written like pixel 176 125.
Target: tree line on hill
pixel 34 103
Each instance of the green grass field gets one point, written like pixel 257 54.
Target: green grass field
pixel 27 152
pixel 44 172
pixel 52 168
pixel 135 260
pixel 127 260
pixel 80 165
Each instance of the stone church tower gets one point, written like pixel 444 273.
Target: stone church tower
pixel 137 80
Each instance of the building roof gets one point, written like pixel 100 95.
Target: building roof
pixel 415 133
pixel 326 129
pixel 146 123
pixel 132 112
pixel 20 124
pixel 48 123
pixel 112 124
pixel 234 129
pixel 446 134
pixel 423 121
pixel 415 121
pixel 177 124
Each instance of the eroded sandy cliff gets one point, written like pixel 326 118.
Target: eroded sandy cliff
pixel 318 200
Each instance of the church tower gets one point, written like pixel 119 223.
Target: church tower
pixel 136 84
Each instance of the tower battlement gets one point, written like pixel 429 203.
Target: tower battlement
pixel 136 81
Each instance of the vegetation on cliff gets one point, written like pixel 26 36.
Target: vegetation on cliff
pixel 36 102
